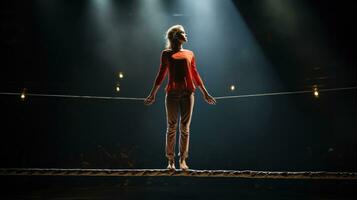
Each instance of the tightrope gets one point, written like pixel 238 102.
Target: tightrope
pixel 286 93
pixel 191 173
pixel 217 98
pixel 73 96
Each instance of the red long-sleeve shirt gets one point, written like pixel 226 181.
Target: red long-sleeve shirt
pixel 183 74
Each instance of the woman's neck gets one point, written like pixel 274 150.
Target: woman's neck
pixel 177 47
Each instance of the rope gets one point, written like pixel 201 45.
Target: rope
pixel 191 173
pixel 73 96
pixel 285 93
pixel 217 98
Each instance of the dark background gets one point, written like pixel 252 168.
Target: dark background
pixel 56 48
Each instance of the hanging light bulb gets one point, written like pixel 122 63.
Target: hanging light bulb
pixel 117 87
pixel 232 87
pixel 316 91
pixel 23 94
pixel 121 75
pixel 316 94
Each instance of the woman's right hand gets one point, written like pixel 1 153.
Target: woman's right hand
pixel 209 99
pixel 149 100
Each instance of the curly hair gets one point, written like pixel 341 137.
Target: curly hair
pixel 170 35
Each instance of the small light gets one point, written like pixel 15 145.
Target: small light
pixel 23 94
pixel 117 87
pixel 316 94
pixel 316 91
pixel 121 75
pixel 232 87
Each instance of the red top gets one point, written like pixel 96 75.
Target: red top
pixel 181 66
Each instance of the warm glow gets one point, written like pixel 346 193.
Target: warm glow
pixel 23 94
pixel 121 75
pixel 117 88
pixel 232 87
pixel 316 91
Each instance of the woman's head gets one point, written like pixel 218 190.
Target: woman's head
pixel 175 35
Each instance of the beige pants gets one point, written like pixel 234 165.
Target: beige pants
pixel 178 102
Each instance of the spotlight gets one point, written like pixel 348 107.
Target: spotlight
pixel 232 87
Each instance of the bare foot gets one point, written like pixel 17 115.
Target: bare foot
pixel 171 165
pixel 183 164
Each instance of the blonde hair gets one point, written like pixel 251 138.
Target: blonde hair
pixel 170 35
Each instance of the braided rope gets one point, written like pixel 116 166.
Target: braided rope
pixel 193 173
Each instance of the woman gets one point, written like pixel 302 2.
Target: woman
pixel 179 99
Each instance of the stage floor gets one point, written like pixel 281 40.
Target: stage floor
pixel 43 187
